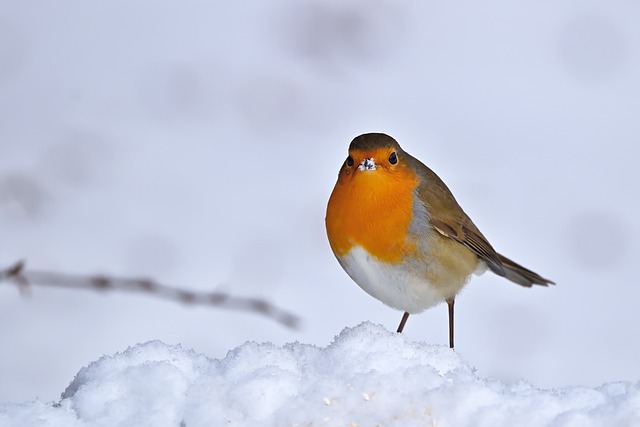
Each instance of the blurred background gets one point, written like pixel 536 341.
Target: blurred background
pixel 197 143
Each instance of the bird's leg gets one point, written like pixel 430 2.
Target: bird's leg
pixel 450 303
pixel 405 316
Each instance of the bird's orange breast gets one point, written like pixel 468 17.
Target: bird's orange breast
pixel 373 209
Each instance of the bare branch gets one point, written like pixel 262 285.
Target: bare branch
pixel 23 278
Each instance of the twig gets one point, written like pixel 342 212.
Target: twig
pixel 25 278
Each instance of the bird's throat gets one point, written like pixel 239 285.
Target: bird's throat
pixel 373 210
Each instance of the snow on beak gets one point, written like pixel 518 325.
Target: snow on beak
pixel 367 165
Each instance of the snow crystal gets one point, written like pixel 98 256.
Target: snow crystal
pixel 367 376
pixel 368 165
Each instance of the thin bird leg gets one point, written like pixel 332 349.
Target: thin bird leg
pixel 450 303
pixel 405 316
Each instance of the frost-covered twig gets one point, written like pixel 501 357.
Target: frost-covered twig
pixel 24 278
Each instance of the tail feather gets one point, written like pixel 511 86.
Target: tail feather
pixel 520 275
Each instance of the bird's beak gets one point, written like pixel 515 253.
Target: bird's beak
pixel 367 165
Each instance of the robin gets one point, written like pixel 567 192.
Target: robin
pixel 399 233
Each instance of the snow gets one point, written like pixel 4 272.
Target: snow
pixel 368 164
pixel 368 376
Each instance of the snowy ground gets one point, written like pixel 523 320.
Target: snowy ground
pixel 197 143
pixel 367 377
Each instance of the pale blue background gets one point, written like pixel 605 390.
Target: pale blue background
pixel 198 142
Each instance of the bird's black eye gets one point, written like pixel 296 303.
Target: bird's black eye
pixel 349 161
pixel 393 158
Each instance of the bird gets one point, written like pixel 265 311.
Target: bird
pixel 399 233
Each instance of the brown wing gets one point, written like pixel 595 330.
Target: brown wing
pixel 473 240
pixel 448 218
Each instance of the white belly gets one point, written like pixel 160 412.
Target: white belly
pixel 395 286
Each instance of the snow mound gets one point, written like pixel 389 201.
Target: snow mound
pixel 367 377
